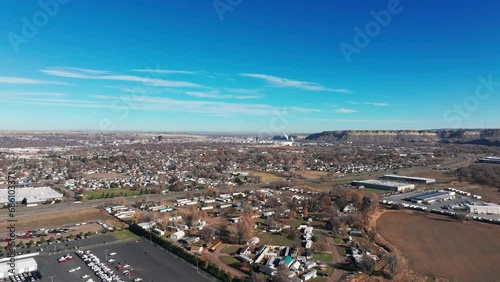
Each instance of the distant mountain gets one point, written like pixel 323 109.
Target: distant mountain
pixel 489 137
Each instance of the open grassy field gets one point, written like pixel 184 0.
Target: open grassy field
pixel 266 176
pixel 97 194
pixel 124 235
pixel 439 247
pixel 323 257
pixel 369 191
pixel 230 249
pixel 229 260
pixel 268 238
pixel 60 219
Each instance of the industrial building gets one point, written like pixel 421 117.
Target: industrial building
pixel 434 196
pixel 32 195
pixel 384 185
pixel 483 208
pixel 24 263
pixel 408 179
pixel 490 160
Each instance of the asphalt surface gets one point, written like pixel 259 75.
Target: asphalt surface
pixel 63 207
pixel 64 247
pixel 155 265
pixel 149 262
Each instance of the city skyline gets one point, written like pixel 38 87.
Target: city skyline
pixel 259 66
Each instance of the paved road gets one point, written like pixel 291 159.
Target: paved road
pixel 337 258
pixel 62 207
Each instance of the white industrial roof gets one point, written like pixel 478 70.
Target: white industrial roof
pixel 385 183
pixel 32 194
pixel 25 264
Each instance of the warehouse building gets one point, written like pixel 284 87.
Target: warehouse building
pixel 490 160
pixel 24 263
pixel 408 179
pixel 483 208
pixel 434 196
pixel 384 185
pixel 32 195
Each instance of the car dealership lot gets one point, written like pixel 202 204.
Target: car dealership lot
pixel 147 261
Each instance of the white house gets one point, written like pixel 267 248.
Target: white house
pixel 177 235
pixel 310 275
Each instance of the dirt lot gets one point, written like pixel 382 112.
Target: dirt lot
pixel 266 176
pixel 310 174
pixel 60 220
pixel 444 248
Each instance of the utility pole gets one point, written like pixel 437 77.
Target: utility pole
pixel 106 254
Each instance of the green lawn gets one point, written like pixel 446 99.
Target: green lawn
pixel 320 232
pixel 124 235
pixel 323 257
pixel 342 250
pixel 97 194
pixel 338 240
pixel 297 223
pixel 229 260
pixel 230 249
pixel 274 239
pixel 369 191
pixel 329 270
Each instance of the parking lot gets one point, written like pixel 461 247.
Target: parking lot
pixel 400 198
pixel 151 263
pixel 147 261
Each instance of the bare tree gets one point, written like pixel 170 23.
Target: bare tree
pixel 282 274
pixel 393 264
pixel 367 263
pixel 242 231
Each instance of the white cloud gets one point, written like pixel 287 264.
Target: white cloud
pixel 377 121
pixel 23 80
pixel 196 106
pixel 345 111
pixel 215 94
pixel 164 71
pixel 30 93
pixel 284 82
pixel 105 75
pixel 370 103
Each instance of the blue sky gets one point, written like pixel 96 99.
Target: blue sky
pixel 264 66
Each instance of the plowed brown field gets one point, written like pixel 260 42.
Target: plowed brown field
pixel 444 248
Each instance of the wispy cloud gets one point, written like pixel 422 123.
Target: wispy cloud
pixel 285 82
pixel 370 103
pixel 105 75
pixel 23 80
pixel 344 111
pixel 215 94
pixel 30 93
pixel 196 106
pixel 164 71
pixel 377 121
